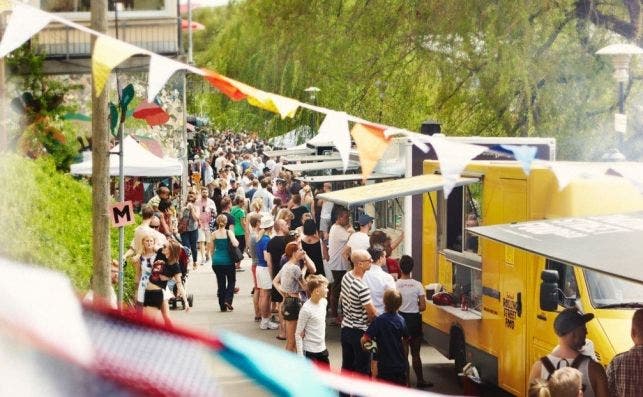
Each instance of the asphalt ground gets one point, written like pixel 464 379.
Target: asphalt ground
pixel 205 316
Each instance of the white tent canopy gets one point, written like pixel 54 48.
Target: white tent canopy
pixel 138 161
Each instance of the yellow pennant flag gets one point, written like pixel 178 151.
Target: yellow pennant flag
pixel 108 53
pixel 284 106
pixel 371 145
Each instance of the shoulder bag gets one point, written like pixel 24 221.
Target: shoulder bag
pixel 235 253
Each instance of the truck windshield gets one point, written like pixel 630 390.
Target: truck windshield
pixel 607 291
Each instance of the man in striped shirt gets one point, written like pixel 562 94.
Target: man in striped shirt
pixel 358 311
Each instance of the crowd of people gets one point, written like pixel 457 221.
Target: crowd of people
pixel 304 253
pixel 311 268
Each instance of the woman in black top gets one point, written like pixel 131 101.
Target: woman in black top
pixel 311 243
pixel 165 267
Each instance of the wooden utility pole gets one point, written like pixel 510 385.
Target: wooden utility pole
pixel 100 172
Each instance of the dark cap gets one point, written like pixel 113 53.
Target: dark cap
pixel 364 219
pixel 570 319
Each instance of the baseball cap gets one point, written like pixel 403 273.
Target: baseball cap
pixel 364 219
pixel 570 319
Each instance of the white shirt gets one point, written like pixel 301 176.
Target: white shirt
pixel 312 321
pixel 270 164
pixel 337 238
pixel 410 290
pixel 267 199
pixel 378 281
pixel 359 241
pixel 140 231
pixel 326 210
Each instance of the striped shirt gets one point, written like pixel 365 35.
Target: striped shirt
pixel 354 296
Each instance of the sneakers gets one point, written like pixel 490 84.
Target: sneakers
pixel 268 325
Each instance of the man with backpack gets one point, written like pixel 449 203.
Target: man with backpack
pixel 570 327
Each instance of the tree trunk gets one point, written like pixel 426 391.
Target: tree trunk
pixel 100 172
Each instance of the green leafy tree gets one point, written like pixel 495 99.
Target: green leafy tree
pixel 490 68
pixel 41 104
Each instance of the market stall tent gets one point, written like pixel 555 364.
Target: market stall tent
pixel 137 162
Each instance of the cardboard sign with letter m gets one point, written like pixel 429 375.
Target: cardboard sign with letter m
pixel 121 214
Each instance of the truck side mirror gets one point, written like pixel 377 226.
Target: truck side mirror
pixel 549 290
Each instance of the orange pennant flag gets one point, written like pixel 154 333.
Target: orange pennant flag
pixel 371 145
pixel 227 86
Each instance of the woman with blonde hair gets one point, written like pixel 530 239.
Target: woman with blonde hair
pixel 564 382
pixel 143 261
pixel 286 215
pixel 222 263
pixel 256 206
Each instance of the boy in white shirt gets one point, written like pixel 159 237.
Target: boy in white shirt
pixel 310 335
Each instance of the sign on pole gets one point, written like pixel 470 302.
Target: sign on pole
pixel 121 214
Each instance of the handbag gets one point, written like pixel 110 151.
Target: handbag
pixel 235 253
pixel 183 223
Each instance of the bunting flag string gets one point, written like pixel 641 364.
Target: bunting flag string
pixel 524 154
pixel 160 71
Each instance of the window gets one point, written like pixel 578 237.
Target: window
pixel 566 282
pixel 84 5
pixel 463 210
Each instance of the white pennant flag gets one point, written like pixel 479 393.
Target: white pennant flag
pixel 25 21
pixel 565 172
pixel 453 157
pixel 161 69
pixel 335 128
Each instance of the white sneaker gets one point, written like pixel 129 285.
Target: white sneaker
pixel 272 325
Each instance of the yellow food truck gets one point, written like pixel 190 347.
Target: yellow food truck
pixel 582 248
pixel 514 249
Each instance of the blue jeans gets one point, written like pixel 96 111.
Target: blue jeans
pixel 189 239
pixel 226 279
pixel 354 358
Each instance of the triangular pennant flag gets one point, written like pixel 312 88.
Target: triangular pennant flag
pixel 225 85
pixel 24 22
pixel 335 127
pixel 524 154
pixel 160 71
pixel 371 145
pixel 565 172
pixel 285 107
pixel 453 157
pixel 108 53
pixel 633 173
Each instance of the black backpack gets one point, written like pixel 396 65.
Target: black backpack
pixel 551 368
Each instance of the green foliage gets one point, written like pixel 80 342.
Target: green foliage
pixel 43 131
pixel 490 68
pixel 45 218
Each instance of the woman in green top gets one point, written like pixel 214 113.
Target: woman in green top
pixel 222 264
pixel 240 223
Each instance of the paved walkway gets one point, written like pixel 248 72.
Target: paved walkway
pixel 205 316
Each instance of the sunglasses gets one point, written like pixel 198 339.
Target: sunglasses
pixel 155 226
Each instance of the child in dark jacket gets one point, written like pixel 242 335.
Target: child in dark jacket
pixel 389 330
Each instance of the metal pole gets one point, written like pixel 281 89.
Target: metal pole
pixel 121 175
pixel 621 110
pixel 190 59
pixel 184 141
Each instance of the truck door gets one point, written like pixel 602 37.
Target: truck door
pixel 511 358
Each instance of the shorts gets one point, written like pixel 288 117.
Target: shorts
pixel 290 308
pixel 264 279
pixel 153 298
pixel 204 236
pixel 324 224
pixel 413 323
pixel 321 357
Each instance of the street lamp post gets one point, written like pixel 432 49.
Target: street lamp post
pixel 621 55
pixel 313 99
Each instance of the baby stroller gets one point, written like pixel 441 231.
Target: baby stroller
pixel 184 262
